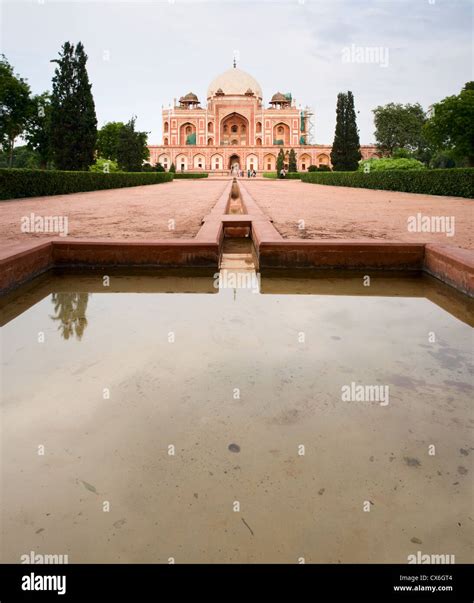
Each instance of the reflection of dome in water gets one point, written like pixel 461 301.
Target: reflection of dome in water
pixel 234 81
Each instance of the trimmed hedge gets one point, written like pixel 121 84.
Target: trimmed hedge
pixel 450 182
pixel 17 183
pixel 390 163
pixel 183 175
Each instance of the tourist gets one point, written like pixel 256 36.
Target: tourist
pixel 248 173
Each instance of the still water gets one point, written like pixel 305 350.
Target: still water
pixel 162 418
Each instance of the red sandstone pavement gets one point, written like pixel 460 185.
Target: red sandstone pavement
pixel 334 212
pixel 329 212
pixel 140 212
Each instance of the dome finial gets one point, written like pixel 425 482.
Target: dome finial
pixel 235 63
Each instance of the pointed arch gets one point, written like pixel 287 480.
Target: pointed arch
pixel 164 159
pixel 234 129
pixel 281 132
pixel 304 162
pixel 323 159
pixel 217 162
pixel 269 162
pixel 199 161
pixel 251 162
pixel 181 163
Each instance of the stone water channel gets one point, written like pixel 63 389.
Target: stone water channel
pixel 225 378
pixel 238 252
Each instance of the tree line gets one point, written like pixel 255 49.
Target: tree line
pixel 60 127
pixel 441 137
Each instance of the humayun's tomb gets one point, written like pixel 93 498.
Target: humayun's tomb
pixel 235 129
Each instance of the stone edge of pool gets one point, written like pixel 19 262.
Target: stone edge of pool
pixel 21 262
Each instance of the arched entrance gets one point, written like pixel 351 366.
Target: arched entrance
pixel 187 134
pixel 252 162
pixel 217 162
pixel 181 163
pixel 304 162
pixel 281 134
pixel 234 130
pixel 323 159
pixel 269 163
pixel 234 163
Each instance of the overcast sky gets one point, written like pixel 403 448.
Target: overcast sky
pixel 143 54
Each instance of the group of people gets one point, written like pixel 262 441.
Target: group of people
pixel 241 173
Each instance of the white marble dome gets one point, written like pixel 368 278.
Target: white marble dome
pixel 234 81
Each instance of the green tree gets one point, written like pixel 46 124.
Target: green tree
pixel 15 107
pixel 108 139
pixel 446 160
pixel 132 150
pixel 345 154
pixel 402 154
pixel 400 126
pixel 159 167
pixel 172 168
pixel 389 163
pixel 23 157
pixel 38 129
pixel 73 118
pixel 292 166
pixel 451 126
pixel 280 162
pixel 104 166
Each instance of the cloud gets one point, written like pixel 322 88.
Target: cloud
pixel 144 54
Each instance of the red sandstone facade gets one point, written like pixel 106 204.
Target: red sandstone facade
pixel 236 131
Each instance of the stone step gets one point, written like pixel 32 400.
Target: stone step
pixel 237 261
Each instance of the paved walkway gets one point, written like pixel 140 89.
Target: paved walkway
pixel 334 212
pixel 141 212
pixel 328 212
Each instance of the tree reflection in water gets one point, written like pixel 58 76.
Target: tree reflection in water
pixel 70 310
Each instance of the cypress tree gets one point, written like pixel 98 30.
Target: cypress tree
pixel 353 154
pixel 73 118
pixel 292 167
pixel 337 152
pixel 280 162
pixel 345 154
